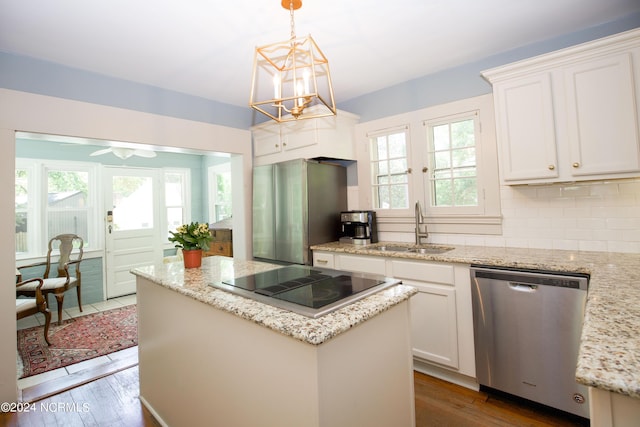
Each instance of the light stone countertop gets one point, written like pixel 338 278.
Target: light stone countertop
pixel 193 282
pixel 609 357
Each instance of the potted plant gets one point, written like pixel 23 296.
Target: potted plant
pixel 192 238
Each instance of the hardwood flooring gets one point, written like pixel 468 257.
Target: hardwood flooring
pixel 439 403
pixel 113 401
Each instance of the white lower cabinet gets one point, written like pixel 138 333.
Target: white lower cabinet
pixel 441 313
pixel 434 328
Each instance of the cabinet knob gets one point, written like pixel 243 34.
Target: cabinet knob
pixel 409 170
pixel 277 145
pixel 425 169
pixel 551 167
pixel 576 165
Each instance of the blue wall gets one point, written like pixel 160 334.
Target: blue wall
pixel 47 78
pixel 91 289
pixel 32 75
pixel 465 81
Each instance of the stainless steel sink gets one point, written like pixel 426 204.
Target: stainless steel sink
pixel 432 249
pixel 423 249
pixel 392 248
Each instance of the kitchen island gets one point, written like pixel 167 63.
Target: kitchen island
pixel 211 358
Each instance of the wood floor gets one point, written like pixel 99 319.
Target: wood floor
pixel 439 403
pixel 113 401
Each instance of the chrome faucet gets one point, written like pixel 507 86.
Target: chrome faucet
pixel 419 221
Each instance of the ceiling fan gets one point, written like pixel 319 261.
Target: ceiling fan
pixel 125 153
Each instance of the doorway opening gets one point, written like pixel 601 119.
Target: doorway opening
pixel 124 197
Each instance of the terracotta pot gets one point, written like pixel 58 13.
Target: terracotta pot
pixel 192 258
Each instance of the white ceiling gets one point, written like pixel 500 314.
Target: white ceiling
pixel 205 48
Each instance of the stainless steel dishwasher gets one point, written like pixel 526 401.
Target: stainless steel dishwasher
pixel 527 328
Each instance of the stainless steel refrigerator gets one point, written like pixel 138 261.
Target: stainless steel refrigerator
pixel 296 204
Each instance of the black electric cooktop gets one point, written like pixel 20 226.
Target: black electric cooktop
pixel 310 291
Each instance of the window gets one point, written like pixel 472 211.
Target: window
pixel 389 170
pixel 176 197
pixel 22 209
pixel 67 204
pixel 452 148
pixel 453 180
pixel 132 195
pixel 220 193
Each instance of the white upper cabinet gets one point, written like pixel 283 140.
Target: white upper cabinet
pixel 331 136
pixel 602 116
pixel 570 115
pixel 525 120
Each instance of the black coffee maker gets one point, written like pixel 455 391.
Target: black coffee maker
pixel 358 227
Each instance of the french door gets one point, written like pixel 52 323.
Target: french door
pixel 133 233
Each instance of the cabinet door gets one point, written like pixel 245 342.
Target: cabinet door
pixel 299 134
pixel 266 140
pixel 601 113
pixel 526 128
pixel 434 330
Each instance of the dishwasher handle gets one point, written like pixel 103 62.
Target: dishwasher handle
pixel 523 287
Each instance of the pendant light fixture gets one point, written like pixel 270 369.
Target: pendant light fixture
pixel 291 79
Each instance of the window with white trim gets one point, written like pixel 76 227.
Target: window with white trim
pixel 453 148
pixel 177 197
pixel 53 198
pixel 453 183
pixel 389 168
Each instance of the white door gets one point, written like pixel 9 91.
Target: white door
pixel 133 232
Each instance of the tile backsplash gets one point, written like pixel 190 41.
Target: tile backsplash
pixel 588 216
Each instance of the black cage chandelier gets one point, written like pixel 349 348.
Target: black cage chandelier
pixel 291 79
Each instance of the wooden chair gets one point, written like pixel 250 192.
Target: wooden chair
pixel 30 306
pixel 59 284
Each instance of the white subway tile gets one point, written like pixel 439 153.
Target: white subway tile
pixel 540 243
pixel 622 223
pixel 553 192
pixel 628 247
pixel 516 243
pixel 591 223
pixel 604 190
pixel 577 212
pixel 578 234
pixel 575 191
pixel 630 187
pixel 592 245
pixel 550 212
pixel 608 235
pixel 564 223
pixel 567 245
pixel 620 200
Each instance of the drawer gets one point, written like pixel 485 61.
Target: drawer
pixel 220 248
pixel 221 234
pixel 423 271
pixel 323 259
pixel 363 264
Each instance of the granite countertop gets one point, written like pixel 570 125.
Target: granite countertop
pixel 193 282
pixel 609 357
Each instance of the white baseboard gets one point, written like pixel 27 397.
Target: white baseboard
pixel 446 375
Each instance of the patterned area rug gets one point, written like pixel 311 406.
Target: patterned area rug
pixel 77 339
